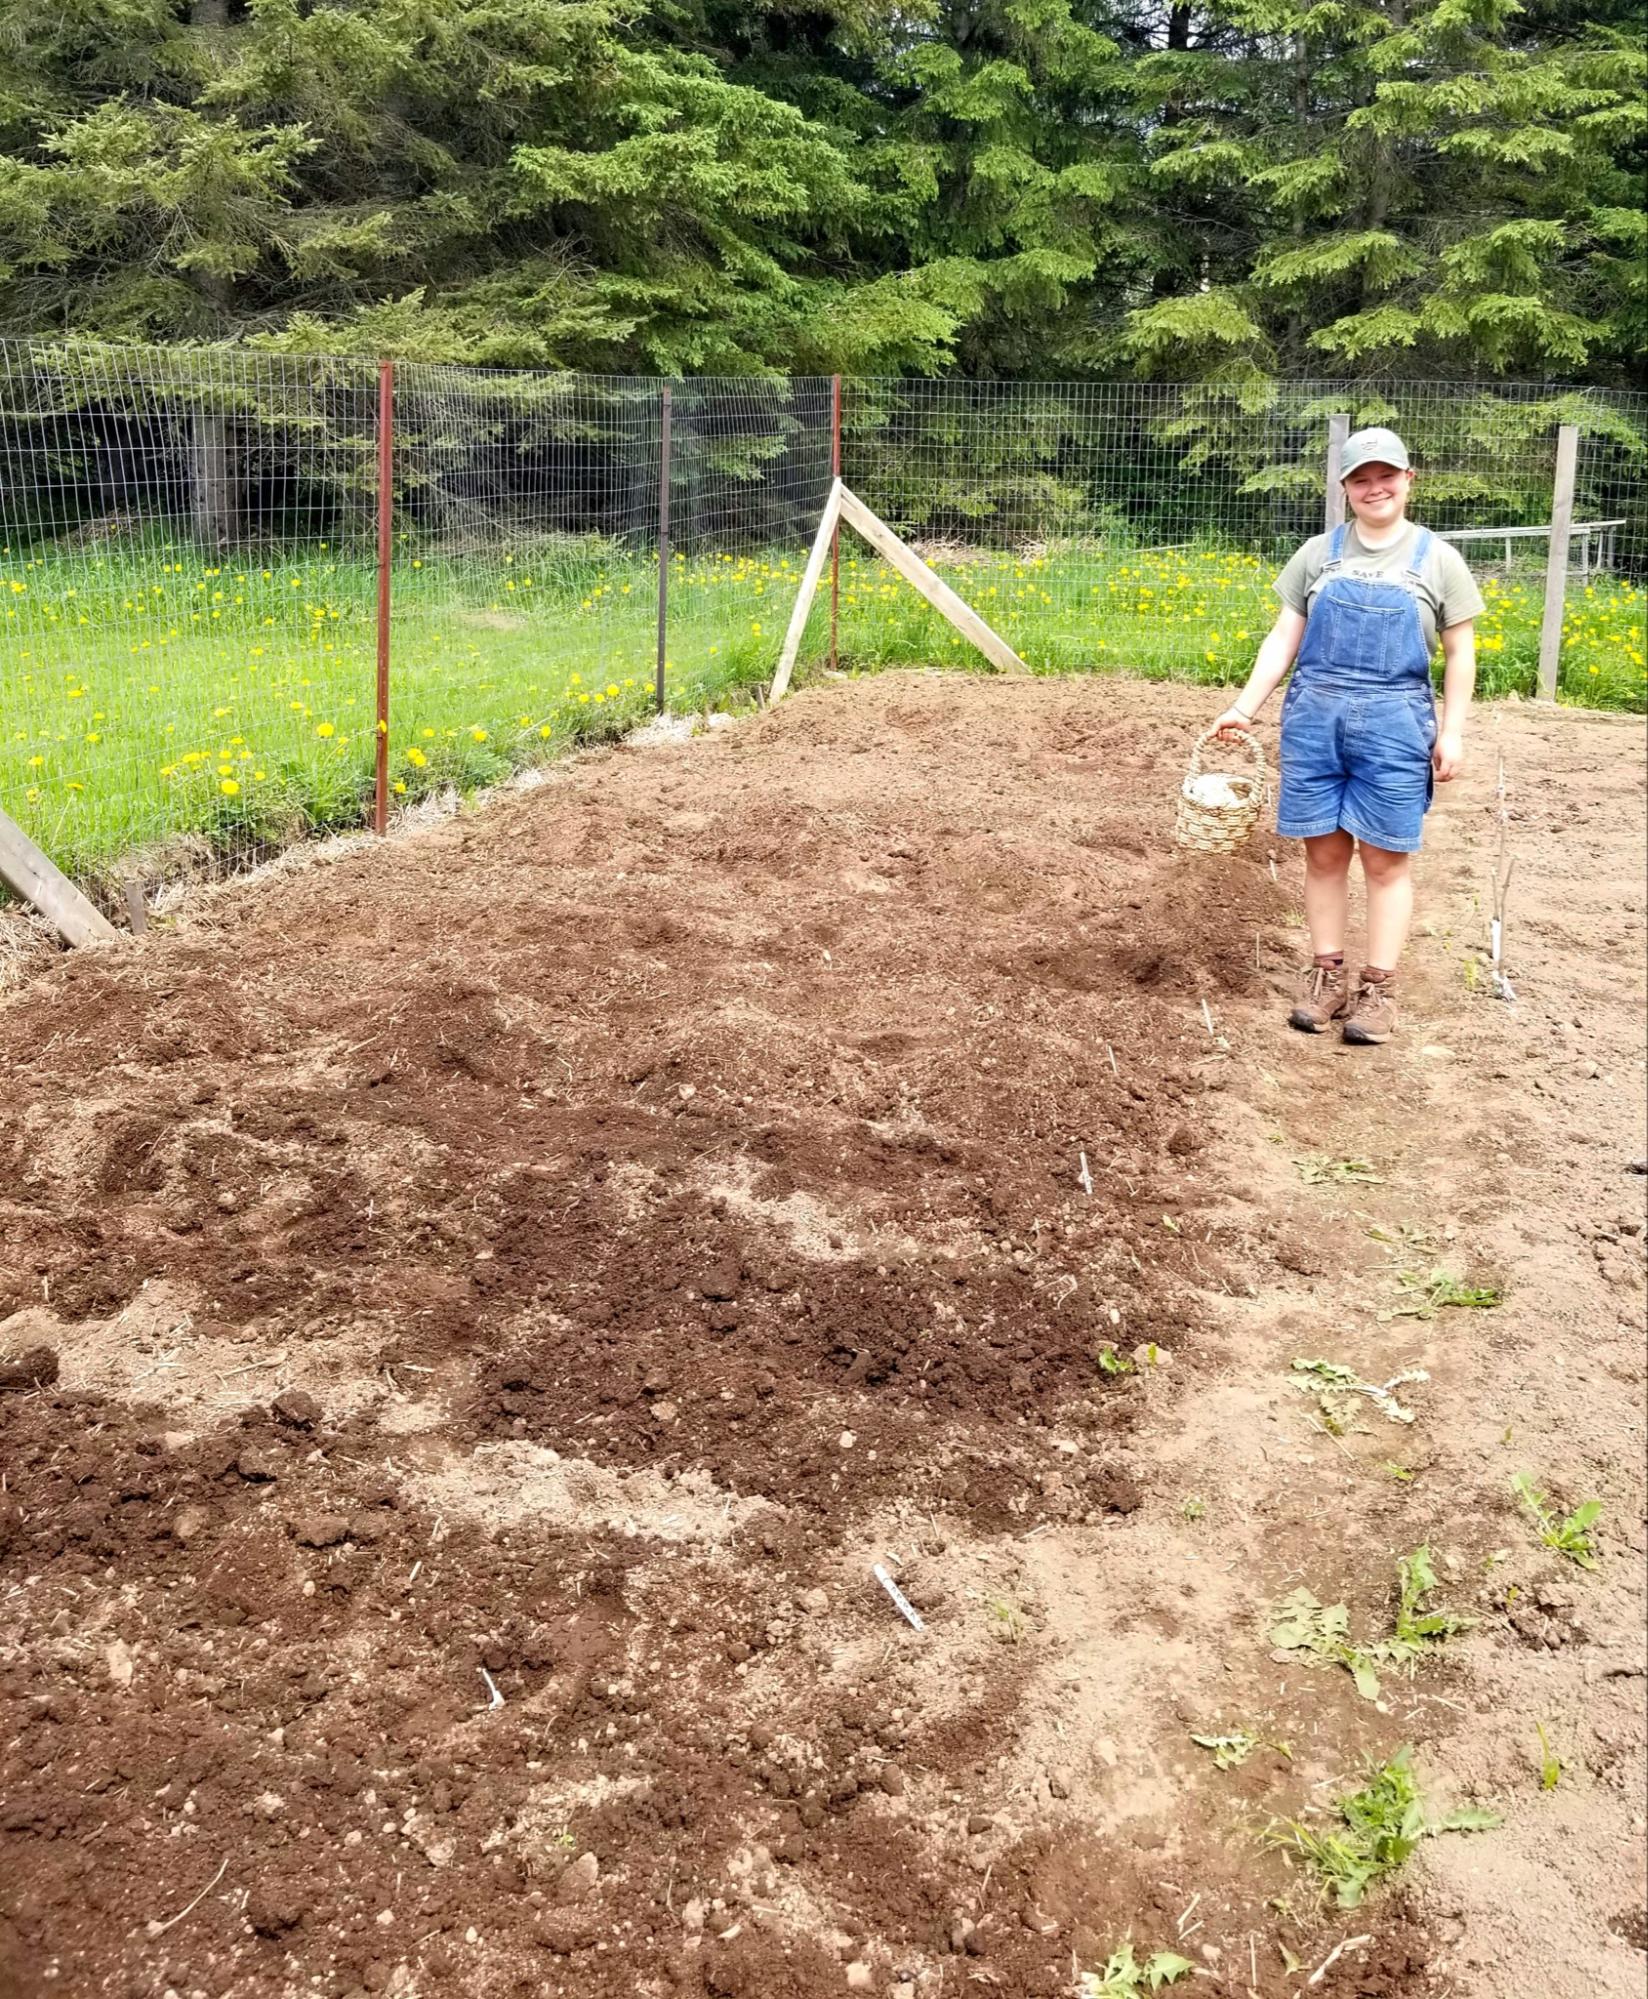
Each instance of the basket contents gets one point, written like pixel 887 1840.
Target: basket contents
pixel 1219 809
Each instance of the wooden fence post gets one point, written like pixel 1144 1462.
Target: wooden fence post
pixel 1333 509
pixel 1556 562
pixel 827 537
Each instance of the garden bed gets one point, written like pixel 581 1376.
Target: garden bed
pixel 481 1307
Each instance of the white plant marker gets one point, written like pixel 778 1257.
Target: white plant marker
pixel 901 1602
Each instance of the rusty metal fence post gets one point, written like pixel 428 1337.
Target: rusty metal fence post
pixel 663 544
pixel 835 539
pixel 386 542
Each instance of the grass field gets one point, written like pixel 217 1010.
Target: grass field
pixel 147 693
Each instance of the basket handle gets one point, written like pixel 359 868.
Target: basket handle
pixel 1248 742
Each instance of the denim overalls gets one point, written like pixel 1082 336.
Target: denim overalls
pixel 1359 718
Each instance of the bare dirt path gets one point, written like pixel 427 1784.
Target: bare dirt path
pixel 480 1308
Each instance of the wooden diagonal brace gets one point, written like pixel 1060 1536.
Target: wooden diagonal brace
pixel 29 873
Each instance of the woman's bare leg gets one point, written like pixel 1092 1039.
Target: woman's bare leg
pixel 1390 904
pixel 1327 891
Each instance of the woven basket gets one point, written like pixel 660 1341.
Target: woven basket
pixel 1206 828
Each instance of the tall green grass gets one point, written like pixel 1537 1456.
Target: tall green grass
pixel 146 692
pixel 1199 613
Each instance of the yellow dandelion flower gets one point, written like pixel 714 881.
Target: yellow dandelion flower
pixel 228 787
pixel 324 729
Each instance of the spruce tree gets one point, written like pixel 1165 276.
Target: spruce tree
pixel 1423 186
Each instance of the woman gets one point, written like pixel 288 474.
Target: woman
pixel 1361 610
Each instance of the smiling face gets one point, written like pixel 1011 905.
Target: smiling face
pixel 1378 494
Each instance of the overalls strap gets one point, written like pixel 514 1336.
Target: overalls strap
pixel 1421 548
pixel 1336 544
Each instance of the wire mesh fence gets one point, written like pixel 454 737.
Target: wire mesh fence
pixel 194 545
pixel 188 591
pixel 1140 525
pixel 750 476
pixel 525 531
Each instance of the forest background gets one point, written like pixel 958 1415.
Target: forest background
pixel 994 188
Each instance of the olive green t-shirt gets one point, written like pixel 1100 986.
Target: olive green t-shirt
pixel 1447 592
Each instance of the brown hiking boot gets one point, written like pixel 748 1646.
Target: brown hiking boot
pixel 1322 999
pixel 1372 1017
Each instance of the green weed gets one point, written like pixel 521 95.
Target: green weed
pixel 1330 1378
pixel 1113 1363
pixel 1318 1170
pixel 1009 1620
pixel 1382 1825
pixel 1422 1294
pixel 233 701
pixel 1124 1976
pixel 1302 1624
pixel 1569 1533
pixel 1550 1764
pixel 1418 1630
pixel 1231 1751
pixel 1193 1509
pixel 1403 1235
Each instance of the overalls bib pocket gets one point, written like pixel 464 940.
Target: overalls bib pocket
pixel 1362 640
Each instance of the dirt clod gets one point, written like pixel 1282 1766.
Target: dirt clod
pixel 578 1879
pixel 35 1368
pixel 320 1530
pixel 296 1407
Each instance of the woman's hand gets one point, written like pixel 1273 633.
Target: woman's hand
pixel 1448 758
pixel 1233 723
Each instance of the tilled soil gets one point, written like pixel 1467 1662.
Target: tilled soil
pixel 481 1308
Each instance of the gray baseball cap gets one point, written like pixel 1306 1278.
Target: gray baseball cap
pixel 1374 446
